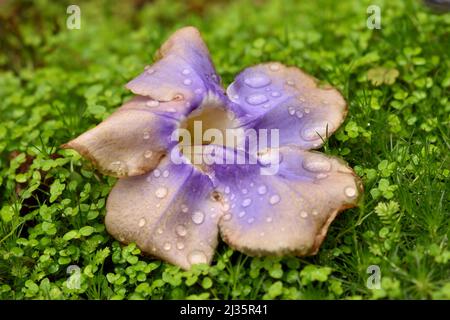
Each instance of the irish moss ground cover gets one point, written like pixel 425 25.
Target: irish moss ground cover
pixel 56 83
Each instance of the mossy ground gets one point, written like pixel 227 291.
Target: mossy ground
pixel 55 83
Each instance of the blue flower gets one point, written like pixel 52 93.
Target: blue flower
pixel 175 210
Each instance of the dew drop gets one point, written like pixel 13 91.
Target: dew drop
pixel 290 82
pixel 299 114
pixel 227 217
pixel 180 245
pixel 316 164
pixel 227 190
pixel 251 220
pixel 165 173
pixel 149 70
pixel 262 189
pixel 350 192
pixel 186 71
pixel 256 99
pixel 181 230
pixel 141 222
pixel 198 91
pixel 307 110
pixel 161 192
pixel 148 154
pixel 274 67
pixel 269 219
pixel 246 202
pixel 244 191
pixel 274 199
pixel 304 214
pixel 184 208
pixel 159 231
pixel 257 81
pixel 241 214
pixel 197 256
pixel 152 103
pixel 198 217
pixel 315 212
pixel 187 82
pixel 167 246
pixel 315 131
pixel 291 110
pixel 156 173
pixel 146 135
pixel 275 94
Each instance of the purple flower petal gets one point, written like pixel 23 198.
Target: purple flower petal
pixel 277 97
pixel 133 139
pixel 170 213
pixel 286 213
pixel 184 71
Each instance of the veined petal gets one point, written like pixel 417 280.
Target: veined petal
pixel 278 97
pixel 184 70
pixel 133 139
pixel 170 213
pixel 288 212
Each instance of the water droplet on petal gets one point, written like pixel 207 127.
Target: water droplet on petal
pixel 165 173
pixel 146 135
pixel 148 154
pixel 197 256
pixel 350 192
pixel 198 91
pixel 246 202
pixel 299 114
pixel 159 231
pixel 251 220
pixel 262 189
pixel 156 173
pixel 316 164
pixel 244 191
pixel 275 94
pixel 304 214
pixel 274 67
pixel 241 214
pixel 257 81
pixel 227 190
pixel 180 245
pixel 186 71
pixel 316 131
pixel 167 246
pixel 257 98
pixel 141 222
pixel 307 110
pixel 269 219
pixel 184 208
pixel 290 82
pixel 161 192
pixel 152 103
pixel 274 199
pixel 198 217
pixel 291 110
pixel 187 82
pixel 149 70
pixel 315 212
pixel 181 230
